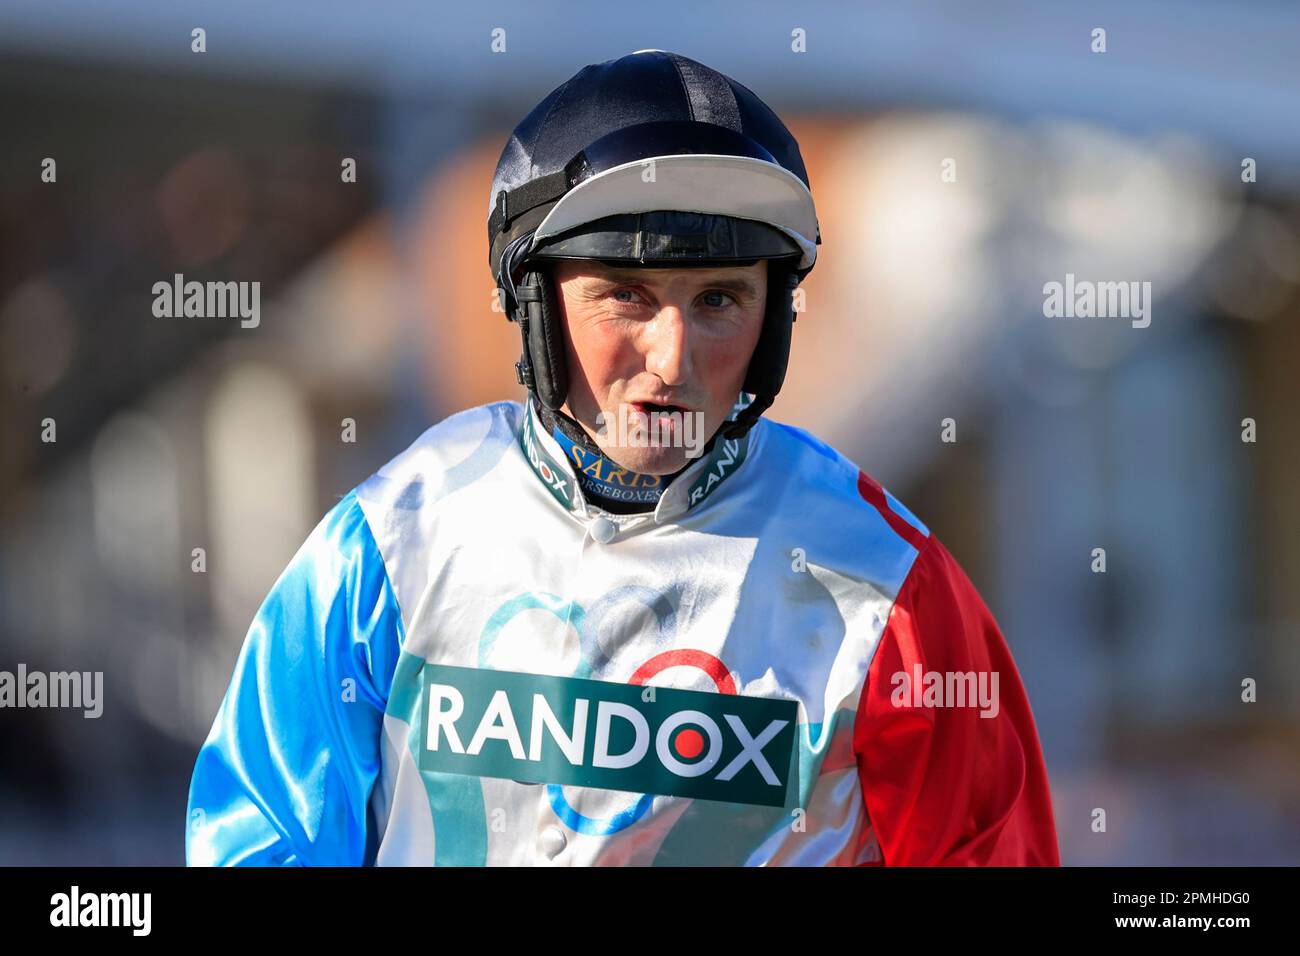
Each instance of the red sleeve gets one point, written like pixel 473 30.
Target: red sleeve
pixel 943 785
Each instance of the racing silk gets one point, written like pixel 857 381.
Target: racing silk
pixel 466 664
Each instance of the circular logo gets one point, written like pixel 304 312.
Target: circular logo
pixel 688 744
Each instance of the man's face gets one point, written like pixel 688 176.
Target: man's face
pixel 639 338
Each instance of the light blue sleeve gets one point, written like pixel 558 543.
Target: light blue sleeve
pixel 286 773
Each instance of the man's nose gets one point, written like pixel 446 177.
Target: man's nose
pixel 667 352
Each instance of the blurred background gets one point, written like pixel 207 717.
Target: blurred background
pixel 961 156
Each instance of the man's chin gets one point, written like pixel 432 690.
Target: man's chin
pixel 659 446
pixel 649 461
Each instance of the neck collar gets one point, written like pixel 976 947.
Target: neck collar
pixel 603 481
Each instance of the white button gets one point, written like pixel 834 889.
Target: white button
pixel 553 841
pixel 603 530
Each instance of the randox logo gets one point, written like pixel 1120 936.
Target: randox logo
pixel 588 733
pixel 547 468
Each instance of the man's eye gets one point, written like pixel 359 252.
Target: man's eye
pixel 716 299
pixel 625 296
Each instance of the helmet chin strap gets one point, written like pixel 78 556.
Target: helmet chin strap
pixel 749 415
pixel 570 426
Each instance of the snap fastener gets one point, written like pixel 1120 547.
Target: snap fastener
pixel 553 841
pixel 603 530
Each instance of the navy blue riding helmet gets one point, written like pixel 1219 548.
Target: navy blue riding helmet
pixel 654 160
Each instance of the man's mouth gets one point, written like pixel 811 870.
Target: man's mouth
pixel 651 408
